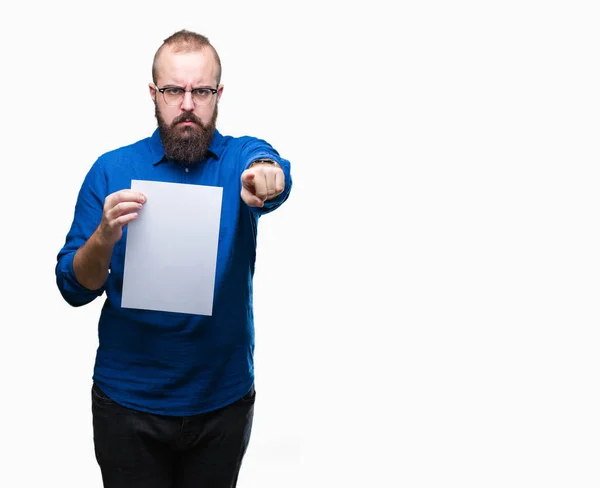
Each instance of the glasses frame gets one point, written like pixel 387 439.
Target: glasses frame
pixel 162 90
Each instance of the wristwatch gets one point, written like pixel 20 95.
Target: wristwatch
pixel 263 160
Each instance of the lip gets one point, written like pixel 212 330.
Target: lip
pixel 187 123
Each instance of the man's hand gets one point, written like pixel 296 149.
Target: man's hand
pixel 261 182
pixel 92 260
pixel 120 208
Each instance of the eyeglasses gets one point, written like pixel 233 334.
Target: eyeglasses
pixel 173 95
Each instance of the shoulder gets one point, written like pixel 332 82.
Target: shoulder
pixel 243 142
pixel 140 150
pixel 134 149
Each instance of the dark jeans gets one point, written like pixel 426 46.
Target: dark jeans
pixel 141 450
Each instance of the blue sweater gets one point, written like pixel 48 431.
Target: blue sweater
pixel 164 362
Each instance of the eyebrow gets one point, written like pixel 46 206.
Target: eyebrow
pixel 194 88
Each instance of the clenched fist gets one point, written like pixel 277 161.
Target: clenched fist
pixel 261 182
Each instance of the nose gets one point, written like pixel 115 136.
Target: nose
pixel 187 104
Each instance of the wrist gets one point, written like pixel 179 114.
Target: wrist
pixel 264 161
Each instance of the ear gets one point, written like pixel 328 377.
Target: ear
pixel 152 90
pixel 219 92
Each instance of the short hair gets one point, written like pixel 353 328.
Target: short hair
pixel 184 41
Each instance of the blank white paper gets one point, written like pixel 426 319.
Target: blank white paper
pixel 171 248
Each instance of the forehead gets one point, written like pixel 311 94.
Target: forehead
pixel 186 68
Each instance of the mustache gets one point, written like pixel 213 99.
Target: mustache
pixel 187 117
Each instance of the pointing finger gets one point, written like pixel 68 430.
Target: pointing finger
pixel 247 176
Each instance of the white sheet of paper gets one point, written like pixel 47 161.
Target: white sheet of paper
pixel 171 249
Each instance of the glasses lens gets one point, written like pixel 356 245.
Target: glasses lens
pixel 173 96
pixel 201 96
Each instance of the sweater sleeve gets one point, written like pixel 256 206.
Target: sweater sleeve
pixel 87 217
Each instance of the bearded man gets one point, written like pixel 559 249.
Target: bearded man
pixel 173 393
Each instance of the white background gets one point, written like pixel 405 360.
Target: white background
pixel 426 300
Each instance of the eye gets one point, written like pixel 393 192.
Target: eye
pixel 174 91
pixel 201 92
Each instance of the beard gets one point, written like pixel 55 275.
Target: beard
pixel 186 145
